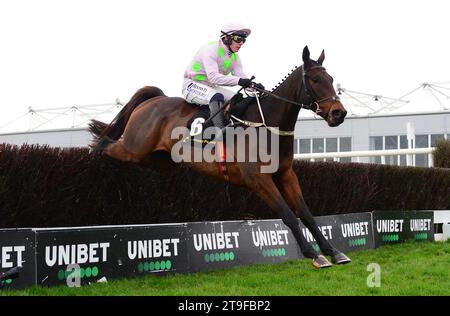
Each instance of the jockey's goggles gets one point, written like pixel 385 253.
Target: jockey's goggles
pixel 239 38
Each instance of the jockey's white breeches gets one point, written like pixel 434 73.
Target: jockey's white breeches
pixel 201 94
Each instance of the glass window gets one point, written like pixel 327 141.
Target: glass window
pixel 296 149
pixel 331 145
pixel 391 142
pixel 305 146
pixel 403 142
pixel 435 137
pixel 345 144
pixel 403 145
pixel 422 142
pixel 422 160
pixel 375 143
pixel 318 146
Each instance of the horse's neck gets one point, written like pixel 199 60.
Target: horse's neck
pixel 276 112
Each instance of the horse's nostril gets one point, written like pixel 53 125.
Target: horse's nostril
pixel 338 114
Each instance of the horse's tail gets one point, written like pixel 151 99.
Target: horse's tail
pixel 115 129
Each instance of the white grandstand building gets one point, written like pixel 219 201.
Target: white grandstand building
pixel 374 122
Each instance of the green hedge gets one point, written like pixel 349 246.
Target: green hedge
pixel 48 187
pixel 441 155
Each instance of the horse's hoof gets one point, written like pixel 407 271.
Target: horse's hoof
pixel 340 258
pixel 321 262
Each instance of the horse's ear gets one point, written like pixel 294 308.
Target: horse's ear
pixel 321 57
pixel 305 56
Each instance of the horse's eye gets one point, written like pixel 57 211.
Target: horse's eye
pixel 316 79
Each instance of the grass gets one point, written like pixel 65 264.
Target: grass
pixel 413 268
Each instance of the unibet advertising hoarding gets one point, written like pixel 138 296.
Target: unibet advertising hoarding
pixel 396 226
pixel 17 250
pixel 96 253
pixel 347 232
pixel 227 244
pixel 78 256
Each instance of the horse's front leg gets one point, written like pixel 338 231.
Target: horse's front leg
pixel 289 187
pixel 265 188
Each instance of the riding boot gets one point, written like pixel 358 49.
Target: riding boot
pixel 219 119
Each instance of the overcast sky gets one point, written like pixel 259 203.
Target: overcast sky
pixel 64 53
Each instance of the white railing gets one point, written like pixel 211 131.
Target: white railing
pixel 442 218
pixel 410 155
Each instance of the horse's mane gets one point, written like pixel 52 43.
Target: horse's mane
pixel 289 75
pixel 284 79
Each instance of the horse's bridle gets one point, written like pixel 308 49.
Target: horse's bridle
pixel 314 105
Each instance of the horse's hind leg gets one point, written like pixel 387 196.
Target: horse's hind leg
pixel 103 143
pixel 138 140
pixel 118 151
pixel 291 191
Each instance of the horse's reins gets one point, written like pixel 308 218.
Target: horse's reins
pixel 309 92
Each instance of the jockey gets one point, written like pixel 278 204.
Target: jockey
pixel 214 66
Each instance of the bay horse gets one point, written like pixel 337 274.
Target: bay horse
pixel 142 129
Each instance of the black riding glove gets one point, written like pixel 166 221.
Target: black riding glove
pixel 245 83
pixel 259 86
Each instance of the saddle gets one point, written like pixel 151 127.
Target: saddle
pixel 236 106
